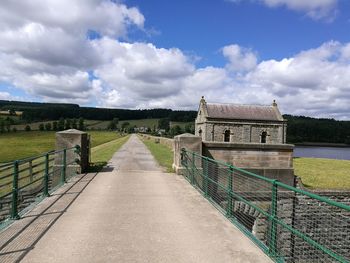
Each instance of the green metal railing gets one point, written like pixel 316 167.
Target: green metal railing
pixel 26 181
pixel 287 223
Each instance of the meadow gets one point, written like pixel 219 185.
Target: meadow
pixel 103 125
pixel 19 145
pixel 315 173
pixel 162 153
pixel 318 173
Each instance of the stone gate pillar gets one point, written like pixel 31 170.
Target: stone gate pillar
pixel 189 142
pixel 68 139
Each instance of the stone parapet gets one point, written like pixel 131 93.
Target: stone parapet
pixel 189 142
pixel 165 141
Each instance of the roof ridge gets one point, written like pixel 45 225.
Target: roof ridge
pixel 236 104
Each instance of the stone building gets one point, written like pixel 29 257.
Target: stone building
pixel 240 123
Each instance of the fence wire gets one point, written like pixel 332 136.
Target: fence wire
pixel 289 224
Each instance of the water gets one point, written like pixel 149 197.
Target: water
pixel 322 152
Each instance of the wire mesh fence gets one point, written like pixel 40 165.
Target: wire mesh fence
pixel 26 181
pixel 289 224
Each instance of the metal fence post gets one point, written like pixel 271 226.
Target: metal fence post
pixel 205 170
pixel 64 165
pixel 14 208
pixel 192 172
pixel 229 193
pixel 46 176
pixel 31 170
pixel 273 229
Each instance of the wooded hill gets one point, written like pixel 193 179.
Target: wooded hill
pixel 300 128
pixel 34 111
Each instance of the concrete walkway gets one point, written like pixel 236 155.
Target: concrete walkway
pixel 129 212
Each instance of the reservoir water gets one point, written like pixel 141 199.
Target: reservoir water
pixel 322 152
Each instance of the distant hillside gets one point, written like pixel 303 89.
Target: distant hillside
pixel 35 111
pixel 307 129
pixel 300 128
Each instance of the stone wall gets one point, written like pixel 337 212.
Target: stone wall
pixel 272 161
pixel 165 141
pixel 242 132
pixel 324 223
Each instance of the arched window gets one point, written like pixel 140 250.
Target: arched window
pixel 263 137
pixel 227 136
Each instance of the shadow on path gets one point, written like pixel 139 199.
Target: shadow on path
pixel 20 237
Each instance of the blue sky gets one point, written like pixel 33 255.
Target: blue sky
pixel 146 54
pixel 203 27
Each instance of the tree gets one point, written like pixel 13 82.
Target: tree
pixel 81 125
pixel 67 124
pixel 2 126
pixel 60 124
pixel 41 127
pixel 48 126
pixel 54 126
pixel 189 128
pixel 164 124
pixel 125 125
pixel 113 124
pixel 27 128
pixel 74 124
pixel 176 130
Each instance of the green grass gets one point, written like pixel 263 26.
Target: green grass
pixel 104 152
pixel 20 145
pixel 138 123
pixel 317 173
pixel 161 153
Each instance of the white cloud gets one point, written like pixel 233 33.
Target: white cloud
pixel 315 82
pixel 240 59
pixel 316 9
pixel 5 95
pixel 45 52
pixel 45 49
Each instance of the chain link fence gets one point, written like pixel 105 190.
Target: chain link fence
pixel 287 223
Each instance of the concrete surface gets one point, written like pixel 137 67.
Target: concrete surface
pixel 129 212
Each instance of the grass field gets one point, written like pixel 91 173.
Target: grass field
pixel 104 152
pixel 138 123
pixel 102 125
pixel 25 144
pixel 317 173
pixel 100 155
pixel 161 153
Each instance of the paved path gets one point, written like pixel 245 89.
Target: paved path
pixel 129 212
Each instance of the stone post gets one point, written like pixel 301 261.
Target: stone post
pixel 190 142
pixel 68 139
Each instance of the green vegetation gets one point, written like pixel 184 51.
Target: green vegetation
pixel 161 153
pixel 102 153
pixel 20 145
pixel 35 111
pixel 317 173
pixel 306 129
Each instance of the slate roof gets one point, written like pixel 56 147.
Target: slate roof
pixel 243 112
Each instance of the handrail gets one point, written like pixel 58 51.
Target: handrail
pixel 212 177
pixel 29 173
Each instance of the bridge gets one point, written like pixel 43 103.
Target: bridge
pixel 131 211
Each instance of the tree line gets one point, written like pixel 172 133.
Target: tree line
pixel 34 111
pixel 307 129
pixel 300 128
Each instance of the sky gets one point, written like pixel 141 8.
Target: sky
pixel 161 53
